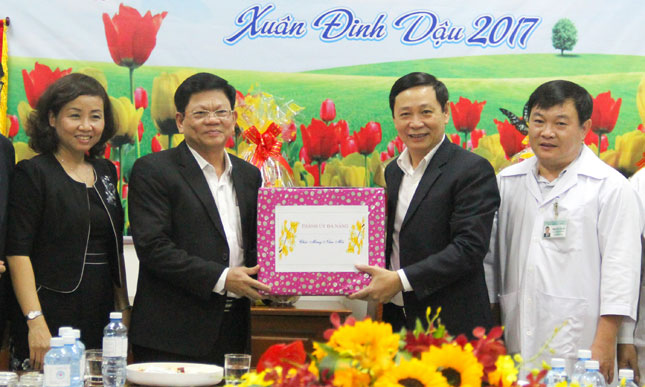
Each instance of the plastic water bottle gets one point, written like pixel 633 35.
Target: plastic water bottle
pixel 628 375
pixel 69 343
pixel 579 367
pixel 557 373
pixel 115 351
pixel 57 365
pixel 592 376
pixel 81 347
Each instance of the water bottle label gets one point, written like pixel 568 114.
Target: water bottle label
pixel 113 347
pixel 124 347
pixel 57 375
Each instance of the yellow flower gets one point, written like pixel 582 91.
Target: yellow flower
pixel 412 372
pixel 491 149
pixel 162 100
pixel 372 344
pixel 459 366
pixel 630 147
pixel 640 100
pixel 23 151
pixel 318 353
pixel 505 374
pixel 350 377
pixel 126 119
pixel 96 74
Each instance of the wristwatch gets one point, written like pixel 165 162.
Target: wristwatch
pixel 33 314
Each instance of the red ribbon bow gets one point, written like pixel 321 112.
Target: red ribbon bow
pixel 267 145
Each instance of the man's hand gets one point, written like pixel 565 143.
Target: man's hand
pixel 603 347
pixel 39 338
pixel 628 358
pixel 239 281
pixel 384 285
pixel 3 268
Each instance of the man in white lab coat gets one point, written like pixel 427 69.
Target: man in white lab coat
pixel 582 278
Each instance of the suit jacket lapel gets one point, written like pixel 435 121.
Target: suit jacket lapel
pixel 432 172
pixel 196 180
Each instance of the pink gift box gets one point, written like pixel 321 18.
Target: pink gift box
pixel 310 238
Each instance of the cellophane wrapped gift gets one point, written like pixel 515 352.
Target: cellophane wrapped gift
pixel 264 153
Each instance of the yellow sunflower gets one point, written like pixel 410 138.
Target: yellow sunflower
pixel 505 374
pixel 372 344
pixel 459 366
pixel 412 373
pixel 350 377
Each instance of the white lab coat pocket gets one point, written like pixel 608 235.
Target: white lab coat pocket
pixel 510 319
pixel 567 315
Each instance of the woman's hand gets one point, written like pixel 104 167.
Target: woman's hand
pixel 39 338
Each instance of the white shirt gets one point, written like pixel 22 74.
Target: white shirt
pixel 635 333
pixel 229 212
pixel 409 182
pixel 543 282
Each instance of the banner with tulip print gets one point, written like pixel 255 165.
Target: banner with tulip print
pixel 318 73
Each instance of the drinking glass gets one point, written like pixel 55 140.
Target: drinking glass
pixel 93 368
pixel 236 365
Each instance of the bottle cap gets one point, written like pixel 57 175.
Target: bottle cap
pixel 77 333
pixel 116 315
pixel 557 362
pixel 56 342
pixel 63 330
pixel 592 365
pixel 625 373
pixel 584 354
pixel 69 340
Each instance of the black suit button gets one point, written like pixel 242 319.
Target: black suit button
pixel 225 257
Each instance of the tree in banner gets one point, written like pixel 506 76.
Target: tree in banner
pixel 564 35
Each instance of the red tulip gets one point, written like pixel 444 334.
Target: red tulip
pixel 466 114
pixel 348 146
pixel 155 145
pixel 341 128
pixel 118 169
pixel 475 135
pixel 368 138
pixel 140 130
pixel 286 356
pixel 289 132
pixel 592 138
pixel 230 143
pixel 510 138
pixel 38 80
pixel 385 156
pixel 327 110
pixel 456 139
pixel 303 156
pixel 315 172
pixel 319 140
pixel 641 127
pixel 140 98
pixel 605 113
pixel 108 151
pixel 130 36
pixel 14 126
pixel 124 191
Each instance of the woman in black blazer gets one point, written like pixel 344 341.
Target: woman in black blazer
pixel 64 240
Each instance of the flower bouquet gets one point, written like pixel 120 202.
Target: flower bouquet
pixel 369 353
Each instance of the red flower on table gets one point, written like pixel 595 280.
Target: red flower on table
pixel 510 138
pixel 605 113
pixel 466 114
pixel 130 36
pixel 38 80
pixel 321 141
pixel 327 110
pixel 368 138
pixel 286 356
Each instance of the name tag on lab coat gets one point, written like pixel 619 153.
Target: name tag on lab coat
pixel 554 229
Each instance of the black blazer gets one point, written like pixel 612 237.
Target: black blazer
pixel 7 161
pixel 182 249
pixel 49 220
pixel 444 237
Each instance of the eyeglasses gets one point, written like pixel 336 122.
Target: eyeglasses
pixel 203 114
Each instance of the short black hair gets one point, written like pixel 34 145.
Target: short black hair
pixel 42 137
pixel 557 92
pixel 202 82
pixel 419 79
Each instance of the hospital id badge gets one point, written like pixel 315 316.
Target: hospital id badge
pixel 554 229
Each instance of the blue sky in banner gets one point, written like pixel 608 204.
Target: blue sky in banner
pixel 194 32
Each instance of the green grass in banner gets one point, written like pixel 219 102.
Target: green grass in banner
pixel 361 92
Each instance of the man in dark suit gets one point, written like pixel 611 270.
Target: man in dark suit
pixel 7 161
pixel 193 216
pixel 441 204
